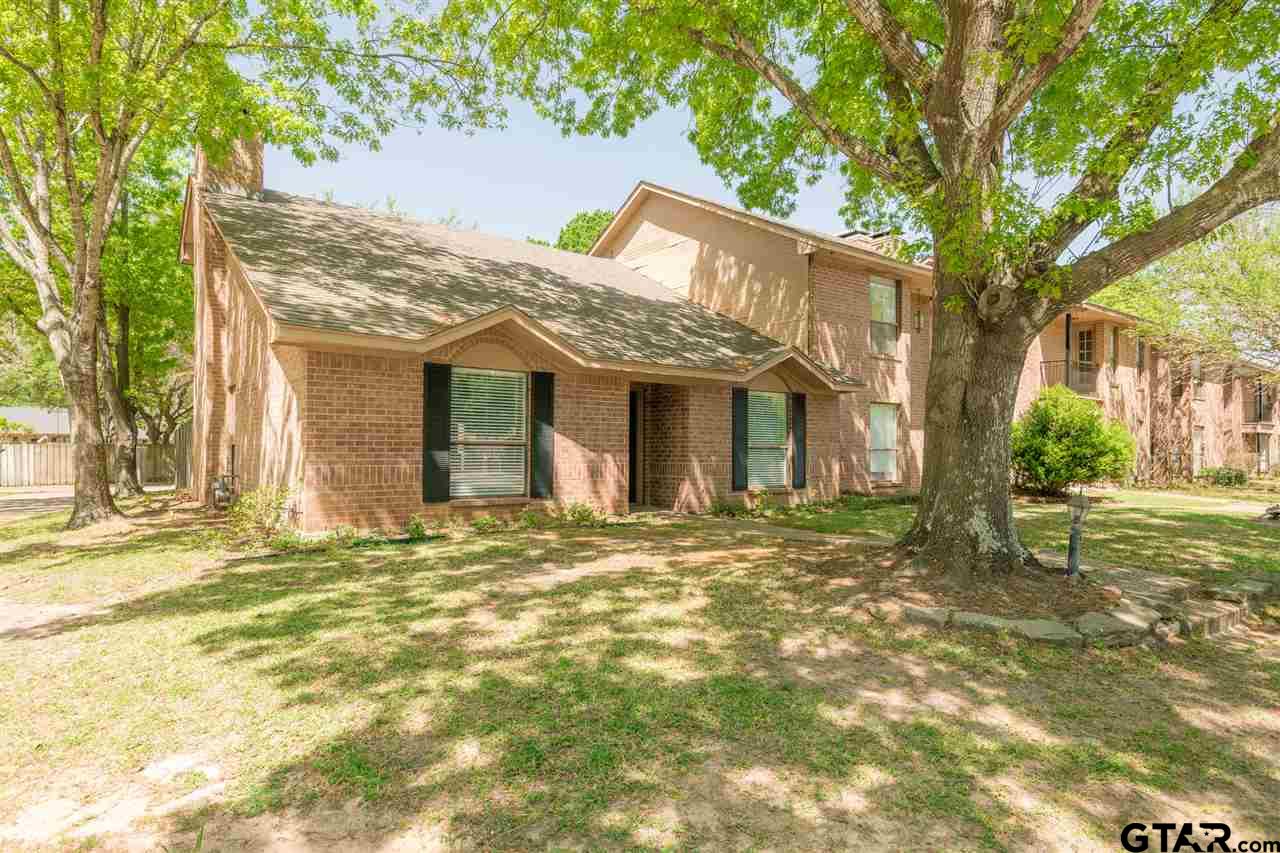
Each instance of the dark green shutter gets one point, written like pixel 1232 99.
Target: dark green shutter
pixel 798 430
pixel 897 305
pixel 739 439
pixel 542 468
pixel 435 432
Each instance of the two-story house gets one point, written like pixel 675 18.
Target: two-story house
pixel 382 368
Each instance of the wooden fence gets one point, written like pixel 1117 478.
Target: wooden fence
pixel 52 464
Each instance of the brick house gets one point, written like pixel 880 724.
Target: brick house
pixel 381 368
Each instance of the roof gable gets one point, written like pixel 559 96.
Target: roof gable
pixel 324 266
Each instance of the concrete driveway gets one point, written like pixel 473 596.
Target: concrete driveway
pixel 33 500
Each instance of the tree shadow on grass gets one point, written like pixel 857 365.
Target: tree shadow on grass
pixel 649 688
pixel 1205 546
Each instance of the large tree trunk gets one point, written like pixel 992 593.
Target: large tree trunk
pixel 114 386
pixel 965 516
pixel 78 366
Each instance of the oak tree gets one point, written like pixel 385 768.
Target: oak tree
pixel 1024 141
pixel 85 83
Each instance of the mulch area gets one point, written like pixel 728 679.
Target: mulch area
pixel 890 574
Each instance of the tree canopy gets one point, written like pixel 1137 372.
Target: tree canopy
pixel 579 233
pixel 1217 299
pixel 1024 144
pixel 85 85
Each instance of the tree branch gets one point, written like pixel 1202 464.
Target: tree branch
pixel 1019 94
pixel 1253 180
pixel 746 54
pixel 915 155
pixel 1170 77
pixel 897 46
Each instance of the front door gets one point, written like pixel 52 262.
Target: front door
pixel 633 449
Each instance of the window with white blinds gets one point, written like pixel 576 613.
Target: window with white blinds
pixel 766 439
pixel 884 317
pixel 884 442
pixel 488 433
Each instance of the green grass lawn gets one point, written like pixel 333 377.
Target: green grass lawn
pixel 1207 534
pixel 647 686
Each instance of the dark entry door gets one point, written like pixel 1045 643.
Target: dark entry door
pixel 633 449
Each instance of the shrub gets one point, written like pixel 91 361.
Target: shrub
pixel 287 539
pixel 486 524
pixel 579 514
pixel 416 528
pixel 729 509
pixel 258 514
pixel 1063 440
pixel 1225 476
pixel 344 535
pixel 530 520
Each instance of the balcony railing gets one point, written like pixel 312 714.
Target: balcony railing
pixel 1257 412
pixel 1081 378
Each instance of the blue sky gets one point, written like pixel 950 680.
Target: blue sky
pixel 526 180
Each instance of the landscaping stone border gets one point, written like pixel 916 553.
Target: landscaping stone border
pixel 1151 608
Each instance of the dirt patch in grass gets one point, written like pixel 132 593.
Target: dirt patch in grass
pixel 682 685
pixel 891 575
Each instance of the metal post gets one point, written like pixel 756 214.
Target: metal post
pixel 1073 550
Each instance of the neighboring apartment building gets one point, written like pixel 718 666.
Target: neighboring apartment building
pixel 382 368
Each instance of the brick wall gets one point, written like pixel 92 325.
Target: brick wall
pixel 247 395
pixel 842 301
pixel 688 448
pixel 363 442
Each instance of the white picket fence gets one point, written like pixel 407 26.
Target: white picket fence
pixel 52 464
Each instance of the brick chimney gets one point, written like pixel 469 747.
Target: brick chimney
pixel 239 173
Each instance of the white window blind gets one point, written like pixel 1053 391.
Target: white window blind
pixel 766 439
pixel 884 442
pixel 884 317
pixel 488 432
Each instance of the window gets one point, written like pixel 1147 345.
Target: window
pixel 884 317
pixel 1084 348
pixel 488 433
pixel 766 440
pixel 1196 375
pixel 884 441
pixel 1260 411
pixel 1142 356
pixel 1115 348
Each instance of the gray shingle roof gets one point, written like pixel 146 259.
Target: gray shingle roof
pixel 328 266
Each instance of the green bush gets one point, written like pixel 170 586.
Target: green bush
pixel 258 514
pixel 1063 440
pixel 486 524
pixel 579 514
pixel 530 520
pixel 1225 476
pixel 416 528
pixel 7 425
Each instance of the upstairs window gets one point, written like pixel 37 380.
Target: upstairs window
pixel 1084 347
pixel 766 440
pixel 488 433
pixel 884 316
pixel 1115 348
pixel 884 442
pixel 1142 356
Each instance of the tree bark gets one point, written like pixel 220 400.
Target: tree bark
pixel 124 437
pixel 965 516
pixel 78 367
